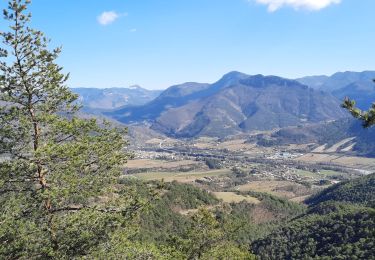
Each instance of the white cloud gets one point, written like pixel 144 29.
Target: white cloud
pixel 314 5
pixel 107 18
pixel 133 30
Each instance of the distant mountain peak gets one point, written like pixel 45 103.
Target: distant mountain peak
pixel 234 75
pixel 337 80
pixel 112 98
pixel 262 81
pixel 135 87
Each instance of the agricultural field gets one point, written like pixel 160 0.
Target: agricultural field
pixel 319 174
pixel 150 164
pixel 355 162
pixel 284 189
pixel 232 197
pixel 182 177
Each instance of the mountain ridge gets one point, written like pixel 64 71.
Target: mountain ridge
pixel 337 80
pixel 235 103
pixel 113 98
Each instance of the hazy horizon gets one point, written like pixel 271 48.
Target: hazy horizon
pixel 158 44
pixel 179 83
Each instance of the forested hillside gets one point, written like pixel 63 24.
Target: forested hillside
pixel 359 191
pixel 339 224
pixel 175 219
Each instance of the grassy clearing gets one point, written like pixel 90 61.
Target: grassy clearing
pixel 299 199
pixel 263 186
pixel 308 174
pixel 285 189
pixel 331 173
pixel 321 174
pixel 181 176
pixel 149 164
pixel 230 197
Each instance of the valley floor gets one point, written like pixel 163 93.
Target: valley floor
pixel 235 165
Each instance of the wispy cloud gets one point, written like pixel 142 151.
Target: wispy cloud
pixel 133 30
pixel 109 17
pixel 313 5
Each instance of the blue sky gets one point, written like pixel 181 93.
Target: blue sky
pixel 158 43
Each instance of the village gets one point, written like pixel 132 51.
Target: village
pixel 233 164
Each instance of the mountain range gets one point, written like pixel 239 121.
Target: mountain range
pixel 356 85
pixel 234 104
pixel 112 98
pixel 338 80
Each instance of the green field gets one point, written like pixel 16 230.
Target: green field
pixel 230 197
pixel 180 176
pixel 320 174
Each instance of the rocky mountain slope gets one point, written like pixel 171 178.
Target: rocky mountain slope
pixel 363 92
pixel 338 80
pixel 234 104
pixel 340 136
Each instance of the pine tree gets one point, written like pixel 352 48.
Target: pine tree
pixel 58 173
pixel 367 117
pixel 206 238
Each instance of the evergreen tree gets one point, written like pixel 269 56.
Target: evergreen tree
pixel 58 173
pixel 367 117
pixel 206 238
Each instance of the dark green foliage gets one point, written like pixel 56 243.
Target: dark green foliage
pixel 340 224
pixel 170 220
pixel 249 221
pixel 239 172
pixel 163 217
pixel 266 142
pixel 367 117
pixel 58 176
pixel 240 221
pixel 213 163
pixel 347 233
pixel 330 206
pixel 207 238
pixel 279 206
pixel 198 235
pixel 187 196
pixel 358 191
pixel 243 223
pixel 323 182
